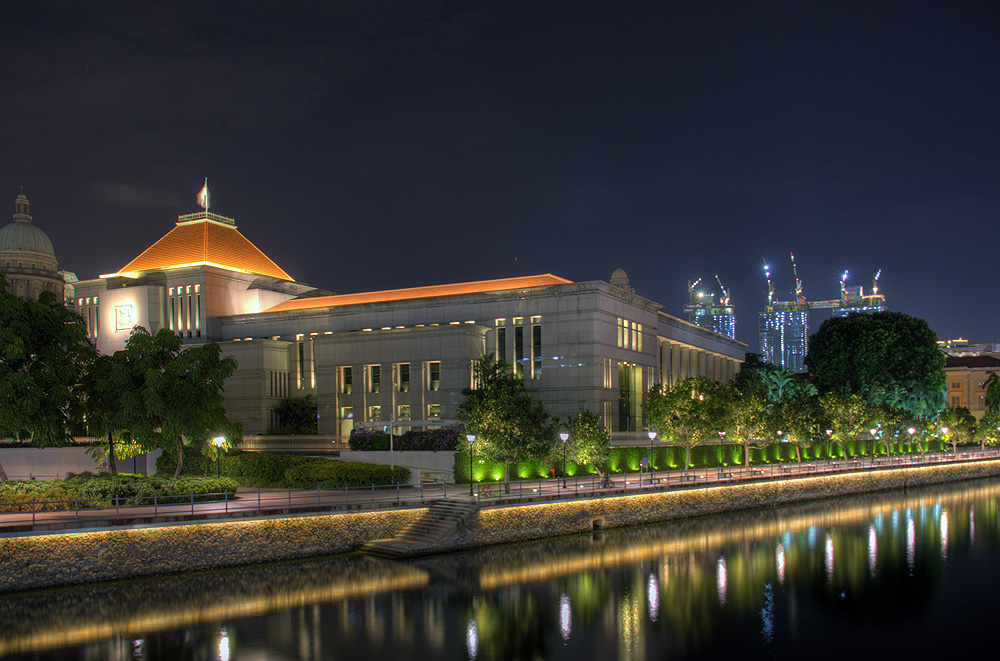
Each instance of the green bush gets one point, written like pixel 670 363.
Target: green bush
pixel 92 491
pixel 330 474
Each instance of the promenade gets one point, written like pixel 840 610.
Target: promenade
pixel 30 518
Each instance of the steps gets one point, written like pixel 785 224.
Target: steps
pixel 444 517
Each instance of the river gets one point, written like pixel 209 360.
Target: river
pixel 906 573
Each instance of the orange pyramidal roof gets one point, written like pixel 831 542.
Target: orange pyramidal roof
pixel 476 287
pixel 205 239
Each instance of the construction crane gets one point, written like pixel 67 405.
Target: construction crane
pixel 691 289
pixel 770 287
pixel 875 282
pixel 725 292
pixel 800 299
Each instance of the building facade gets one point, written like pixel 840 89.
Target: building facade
pixel 784 338
pixel 397 357
pixel 27 257
pixel 966 380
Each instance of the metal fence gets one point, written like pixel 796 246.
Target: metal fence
pixel 42 515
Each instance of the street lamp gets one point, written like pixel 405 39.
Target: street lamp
pixel 652 437
pixel 564 435
pixel 471 438
pixel 218 442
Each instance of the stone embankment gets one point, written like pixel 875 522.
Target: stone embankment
pixel 39 561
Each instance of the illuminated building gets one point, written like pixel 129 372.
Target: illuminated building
pixel 27 257
pixel 784 337
pixel 401 355
pixel 966 380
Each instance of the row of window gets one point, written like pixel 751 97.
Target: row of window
pixel 278 384
pixel 400 378
pixel 403 412
pixel 522 362
pixel 20 265
pixel 185 310
pixel 629 335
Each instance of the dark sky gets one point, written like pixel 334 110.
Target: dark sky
pixel 366 145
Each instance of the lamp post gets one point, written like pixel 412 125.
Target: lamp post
pixel 564 435
pixel 652 437
pixel 471 438
pixel 218 442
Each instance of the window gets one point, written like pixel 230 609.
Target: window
pixel 956 385
pixel 403 377
pixel 536 351
pixel 403 412
pixel 501 347
pixel 346 413
pixel 433 411
pixel 434 376
pixel 956 400
pixel 518 346
pixel 374 378
pixel 346 380
pixel 374 413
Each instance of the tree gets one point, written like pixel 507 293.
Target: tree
pixel 799 421
pixel 499 411
pixel 751 371
pixel 296 416
pixel 855 353
pixel 43 353
pixel 993 392
pixel 589 442
pixel 688 414
pixel 747 417
pixel 959 423
pixel 847 417
pixel 988 429
pixel 179 392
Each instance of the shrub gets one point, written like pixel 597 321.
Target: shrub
pixel 429 440
pixel 93 491
pixel 330 474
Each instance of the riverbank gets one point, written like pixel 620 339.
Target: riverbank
pixel 41 561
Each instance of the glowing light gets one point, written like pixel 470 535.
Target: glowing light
pixel 944 535
pixel 779 563
pixel 911 542
pixel 972 525
pixel 565 617
pixel 472 639
pixel 223 644
pixel 828 558
pixel 653 597
pixel 767 615
pixel 721 579
pixel 872 550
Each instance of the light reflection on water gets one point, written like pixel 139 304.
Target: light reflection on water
pixel 876 569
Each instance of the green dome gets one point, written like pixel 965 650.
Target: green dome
pixel 25 236
pixel 22 235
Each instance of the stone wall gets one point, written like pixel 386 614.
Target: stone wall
pixel 39 561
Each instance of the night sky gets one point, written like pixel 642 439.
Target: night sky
pixel 366 145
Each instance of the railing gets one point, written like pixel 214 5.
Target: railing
pixel 41 515
pixel 91 512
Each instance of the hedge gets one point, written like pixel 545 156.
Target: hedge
pixel 429 440
pixel 671 457
pixel 92 491
pixel 256 469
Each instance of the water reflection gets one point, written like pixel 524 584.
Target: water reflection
pixel 876 569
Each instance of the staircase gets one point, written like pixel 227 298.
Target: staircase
pixel 421 536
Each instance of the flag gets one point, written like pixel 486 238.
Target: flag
pixel 203 195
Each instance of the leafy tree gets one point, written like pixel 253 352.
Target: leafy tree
pixel 499 411
pixel 751 371
pixel 847 417
pixel 296 416
pixel 687 414
pixel 43 353
pixel 959 422
pixel 746 417
pixel 589 442
pixel 180 392
pixel 856 353
pixel 799 419
pixel 993 392
pixel 988 429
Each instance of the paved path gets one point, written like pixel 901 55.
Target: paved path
pixel 269 502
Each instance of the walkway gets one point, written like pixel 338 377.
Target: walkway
pixel 281 502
